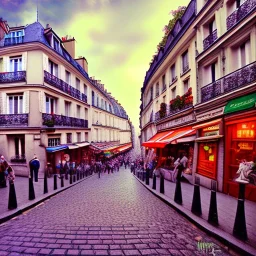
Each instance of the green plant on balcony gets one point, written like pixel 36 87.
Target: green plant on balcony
pixel 49 122
pixel 181 102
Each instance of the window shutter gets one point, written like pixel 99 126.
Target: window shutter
pixel 26 102
pixel 45 62
pixel 4 103
pixel 41 96
pixel 24 61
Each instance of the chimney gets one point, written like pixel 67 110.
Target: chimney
pixel 4 28
pixel 83 63
pixel 69 45
pixel 47 25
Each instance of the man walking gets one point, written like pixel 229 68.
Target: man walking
pixel 34 165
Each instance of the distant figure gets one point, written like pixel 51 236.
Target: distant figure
pixel 3 171
pixel 34 166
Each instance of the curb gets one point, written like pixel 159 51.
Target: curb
pixel 230 243
pixel 26 208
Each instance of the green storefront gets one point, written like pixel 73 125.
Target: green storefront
pixel 240 144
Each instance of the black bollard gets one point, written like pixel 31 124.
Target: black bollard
pixel 66 176
pixel 239 230
pixel 196 204
pixel 74 177
pixel 161 183
pixel 54 181
pixel 143 175
pixel 77 176
pixel 62 181
pixel 178 193
pixel 31 194
pixel 81 175
pixel 147 176
pixel 213 213
pixel 45 184
pixel 154 182
pixel 99 173
pixel 12 203
pixel 70 179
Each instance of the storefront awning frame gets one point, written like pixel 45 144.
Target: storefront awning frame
pixel 55 148
pixel 208 138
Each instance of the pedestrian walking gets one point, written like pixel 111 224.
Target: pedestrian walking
pixel 34 166
pixel 12 204
pixel 3 171
pixel 48 170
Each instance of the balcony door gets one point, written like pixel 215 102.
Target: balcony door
pixel 15 64
pixel 15 104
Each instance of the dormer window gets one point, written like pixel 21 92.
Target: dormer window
pixel 14 37
pixel 55 43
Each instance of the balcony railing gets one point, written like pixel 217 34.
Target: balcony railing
pixel 13 120
pixel 240 13
pixel 185 68
pixel 230 82
pixel 164 87
pixel 59 120
pixel 209 40
pixel 18 159
pixel 63 86
pixel 13 40
pixel 12 77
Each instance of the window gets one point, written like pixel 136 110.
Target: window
pixel 102 104
pixel 67 108
pixel 174 92
pixel 106 106
pixel 14 37
pixel 173 73
pixel 78 134
pixel 186 85
pixel 15 64
pixel 50 105
pixel 78 108
pixel 97 101
pixel 110 109
pixel 86 136
pixel 1 65
pixel 213 72
pixel 53 68
pixel 185 65
pixel 239 3
pixel 77 84
pixel 15 104
pixel 157 89
pixel 93 98
pixel 19 145
pixel 212 26
pixel 86 114
pixel 85 89
pixel 69 137
pixel 163 83
pixel 68 77
pixel 53 142
pixel 56 43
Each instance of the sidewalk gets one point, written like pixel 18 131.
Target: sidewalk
pixel 22 189
pixel 226 205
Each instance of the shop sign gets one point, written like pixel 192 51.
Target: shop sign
pixel 211 128
pixel 241 103
pixel 211 133
pixel 210 114
pixel 176 122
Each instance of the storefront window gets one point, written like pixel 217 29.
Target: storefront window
pixel 241 147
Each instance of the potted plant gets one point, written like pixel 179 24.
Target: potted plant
pixel 49 122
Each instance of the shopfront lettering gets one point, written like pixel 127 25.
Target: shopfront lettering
pixel 176 122
pixel 210 114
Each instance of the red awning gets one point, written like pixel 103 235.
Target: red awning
pixel 160 140
pixel 123 148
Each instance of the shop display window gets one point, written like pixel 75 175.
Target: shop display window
pixel 241 147
pixel 207 159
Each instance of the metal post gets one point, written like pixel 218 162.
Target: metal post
pixel 154 181
pixel 74 177
pixel 70 179
pixel 196 204
pixel 55 181
pixel 99 173
pixel 239 229
pixel 213 213
pixel 147 176
pixel 31 195
pixel 161 183
pixel 45 184
pixel 62 181
pixel 77 175
pixel 12 202
pixel 178 193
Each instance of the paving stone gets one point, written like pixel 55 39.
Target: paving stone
pixel 148 252
pixel 116 252
pixel 101 252
pixel 32 250
pixel 45 251
pixel 131 252
pixel 73 252
pixel 87 252
pixel 59 252
pixel 4 253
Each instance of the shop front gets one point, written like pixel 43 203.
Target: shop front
pixel 209 149
pixel 173 147
pixel 240 146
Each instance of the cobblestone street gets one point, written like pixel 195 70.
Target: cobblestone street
pixel 113 215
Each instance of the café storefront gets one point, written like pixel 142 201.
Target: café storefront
pixel 240 144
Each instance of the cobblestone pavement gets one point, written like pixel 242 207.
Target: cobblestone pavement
pixel 113 215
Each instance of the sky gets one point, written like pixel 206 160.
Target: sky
pixel 117 37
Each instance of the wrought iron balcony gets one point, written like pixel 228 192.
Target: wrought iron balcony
pixel 13 40
pixel 12 77
pixel 240 13
pixel 18 159
pixel 185 68
pixel 59 120
pixel 10 120
pixel 230 82
pixel 63 86
pixel 209 40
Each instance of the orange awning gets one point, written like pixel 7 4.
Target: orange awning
pixel 160 140
pixel 123 148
